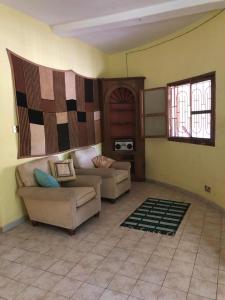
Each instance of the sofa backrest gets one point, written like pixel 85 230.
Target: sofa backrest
pixel 25 174
pixel 82 158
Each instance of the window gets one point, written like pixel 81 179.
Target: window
pixel 155 112
pixel 191 110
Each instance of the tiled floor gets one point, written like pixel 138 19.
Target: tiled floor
pixel 107 262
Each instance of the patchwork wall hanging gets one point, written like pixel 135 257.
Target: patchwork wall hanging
pixel 56 110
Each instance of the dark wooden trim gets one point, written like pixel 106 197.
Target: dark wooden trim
pixel 200 112
pixel 156 88
pixel 201 141
pixel 155 136
pixel 194 79
pixel 156 115
pixel 123 78
pixel 198 141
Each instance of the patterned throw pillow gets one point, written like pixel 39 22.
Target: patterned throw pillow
pixel 101 161
pixel 63 170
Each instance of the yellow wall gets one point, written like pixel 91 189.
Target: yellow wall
pixel 185 165
pixel 35 41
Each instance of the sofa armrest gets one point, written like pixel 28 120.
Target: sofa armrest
pixel 86 180
pixel 83 180
pixel 102 172
pixel 43 193
pixel 121 165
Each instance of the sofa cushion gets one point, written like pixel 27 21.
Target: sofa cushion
pixel 63 170
pixel 84 195
pixel 82 158
pixel 44 179
pixel 121 175
pixel 102 161
pixel 26 170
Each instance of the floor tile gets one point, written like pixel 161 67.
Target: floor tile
pixel 61 267
pixel 102 252
pixel 153 275
pixel 203 288
pixel 92 260
pixel 146 291
pixel 10 269
pixel 43 262
pixel 122 284
pixel 102 249
pixel 221 277
pixel 13 254
pixel 112 295
pixel 188 246
pixel 205 273
pixel 47 281
pixel 168 294
pixel 119 253
pixel 53 296
pixel 100 278
pixel 110 264
pixel 212 261
pixel 9 289
pixel 88 292
pixel 127 244
pixel 185 255
pixel 179 266
pixel 29 275
pixel 221 292
pixel 31 292
pixel 195 297
pixel 177 282
pixel 167 252
pixel 130 269
pixel 139 257
pixel 161 263
pixel 80 272
pixel 66 287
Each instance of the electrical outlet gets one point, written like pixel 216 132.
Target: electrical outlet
pixel 207 189
pixel 15 128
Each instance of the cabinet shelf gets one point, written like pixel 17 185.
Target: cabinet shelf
pixel 126 152
pixel 124 110
pixel 122 123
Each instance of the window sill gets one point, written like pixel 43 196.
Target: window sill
pixel 196 141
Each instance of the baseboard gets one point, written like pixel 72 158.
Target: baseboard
pixel 199 197
pixel 13 224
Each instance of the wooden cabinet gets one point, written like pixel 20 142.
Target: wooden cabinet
pixel 121 103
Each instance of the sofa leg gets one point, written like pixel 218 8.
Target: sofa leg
pixel 97 215
pixel 34 223
pixel 112 201
pixel 71 231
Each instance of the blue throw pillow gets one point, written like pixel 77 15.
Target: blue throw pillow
pixel 45 179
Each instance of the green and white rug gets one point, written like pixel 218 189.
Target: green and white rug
pixel 157 215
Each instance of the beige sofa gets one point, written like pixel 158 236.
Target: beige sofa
pixel 67 206
pixel 115 180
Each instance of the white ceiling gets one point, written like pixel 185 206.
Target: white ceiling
pixel 116 25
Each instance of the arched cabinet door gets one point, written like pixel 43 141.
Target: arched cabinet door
pixel 121 111
pixel 122 108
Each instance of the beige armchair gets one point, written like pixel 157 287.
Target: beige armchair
pixel 67 206
pixel 115 180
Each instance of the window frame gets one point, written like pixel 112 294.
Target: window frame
pixel 160 114
pixel 193 140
